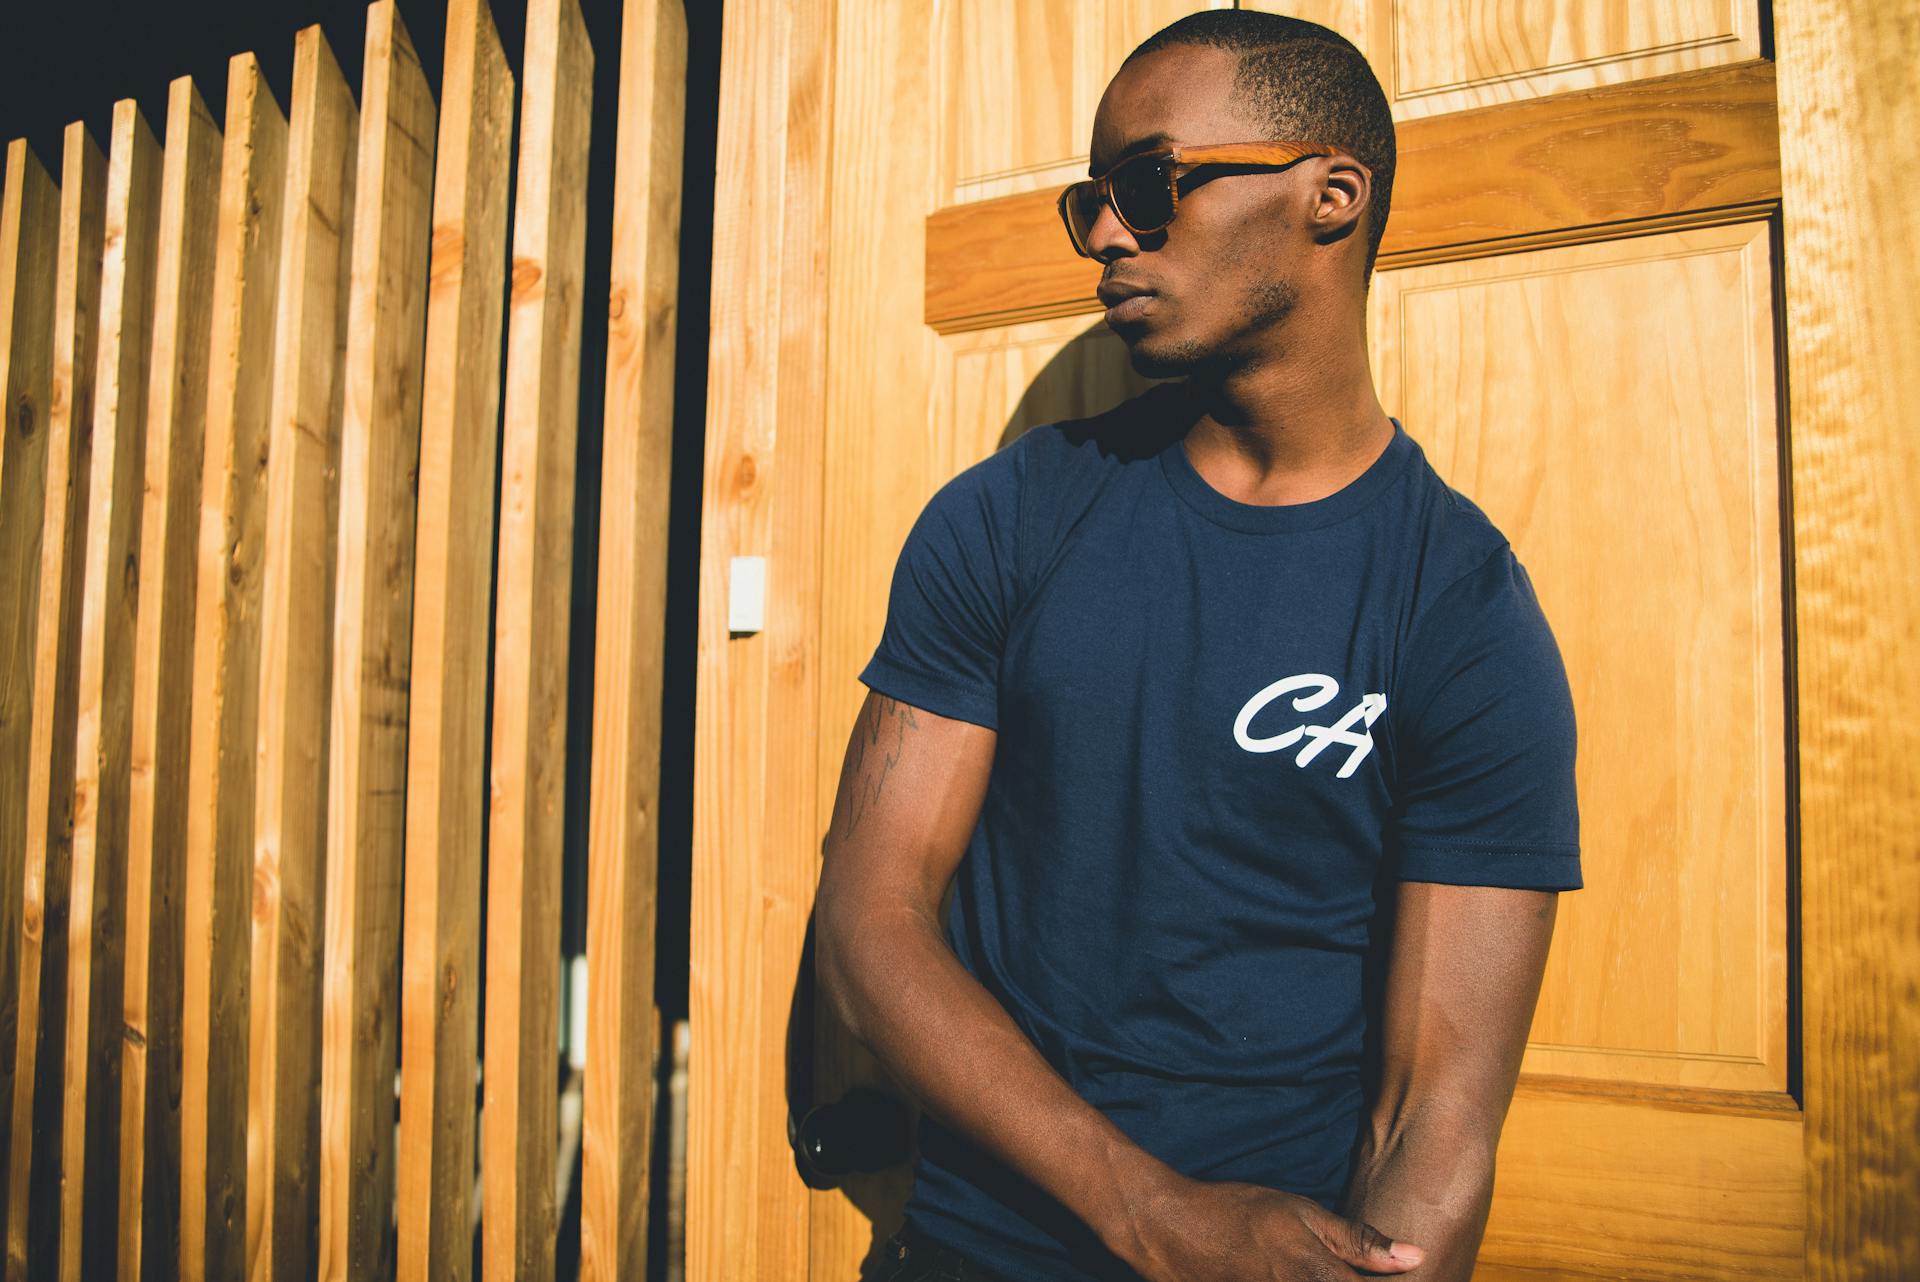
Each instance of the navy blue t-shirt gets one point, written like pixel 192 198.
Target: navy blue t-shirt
pixel 1225 731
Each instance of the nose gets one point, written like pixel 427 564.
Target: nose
pixel 1109 238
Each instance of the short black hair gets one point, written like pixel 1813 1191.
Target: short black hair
pixel 1305 81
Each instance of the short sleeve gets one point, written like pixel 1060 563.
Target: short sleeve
pixel 952 597
pixel 1486 739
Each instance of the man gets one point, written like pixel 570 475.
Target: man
pixel 1255 742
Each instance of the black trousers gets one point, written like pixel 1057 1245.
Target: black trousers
pixel 911 1256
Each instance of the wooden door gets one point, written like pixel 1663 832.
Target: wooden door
pixel 1578 312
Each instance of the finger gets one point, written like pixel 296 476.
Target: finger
pixel 1363 1246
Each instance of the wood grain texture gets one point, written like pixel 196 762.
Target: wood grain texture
pixel 1671 1180
pixel 1446 56
pixel 1702 966
pixel 991 385
pixel 1439 56
pixel 1711 1196
pixel 630 643
pixel 1581 166
pixel 1667 987
pixel 446 711
pixel 1640 153
pixel 90 1139
pixel 29 251
pixel 533 602
pixel 1355 19
pixel 875 479
pixel 1848 152
pixel 226 683
pixel 1015 85
pixel 281 1190
pixel 1004 261
pixel 757 823
pixel 33 1158
pixel 149 1157
pixel 1670 967
pixel 367 740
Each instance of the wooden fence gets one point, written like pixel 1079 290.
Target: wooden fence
pixel 253 393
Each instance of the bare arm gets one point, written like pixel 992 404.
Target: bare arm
pixel 1462 980
pixel 910 794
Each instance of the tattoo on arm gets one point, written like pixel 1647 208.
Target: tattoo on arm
pixel 879 736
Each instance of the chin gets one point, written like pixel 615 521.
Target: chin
pixel 1166 358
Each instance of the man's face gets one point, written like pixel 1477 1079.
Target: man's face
pixel 1217 282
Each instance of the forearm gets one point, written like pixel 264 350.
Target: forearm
pixel 1429 1182
pixel 945 1039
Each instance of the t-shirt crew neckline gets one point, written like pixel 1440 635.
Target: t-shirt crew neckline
pixel 1260 518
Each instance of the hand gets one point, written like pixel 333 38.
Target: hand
pixel 1203 1231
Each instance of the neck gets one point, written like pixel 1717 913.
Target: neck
pixel 1297 422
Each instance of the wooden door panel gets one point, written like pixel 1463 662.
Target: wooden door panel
pixel 1019 83
pixel 1438 56
pixel 1611 407
pixel 1650 1189
pixel 992 385
pixel 1658 1130
pixel 1605 389
pixel 1689 149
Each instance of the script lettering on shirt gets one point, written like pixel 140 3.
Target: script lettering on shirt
pixel 1317 690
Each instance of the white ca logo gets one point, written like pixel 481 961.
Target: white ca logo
pixel 1321 691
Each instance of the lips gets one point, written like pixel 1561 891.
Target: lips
pixel 1125 302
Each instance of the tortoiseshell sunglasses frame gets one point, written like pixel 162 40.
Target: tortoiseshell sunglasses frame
pixel 1262 155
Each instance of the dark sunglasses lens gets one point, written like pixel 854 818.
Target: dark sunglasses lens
pixel 1142 194
pixel 1080 207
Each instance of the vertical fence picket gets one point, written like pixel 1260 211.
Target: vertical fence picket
pixel 379 456
pixel 29 246
pixel 163 649
pixel 90 1141
pixel 226 650
pixel 629 643
pixel 446 787
pixel 40 1041
pixel 252 426
pixel 757 815
pixel 525 822
pixel 296 630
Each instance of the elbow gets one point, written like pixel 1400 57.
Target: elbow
pixel 861 950
pixel 842 946
pixel 1441 1159
pixel 1472 1132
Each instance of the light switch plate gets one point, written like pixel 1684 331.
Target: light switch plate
pixel 747 594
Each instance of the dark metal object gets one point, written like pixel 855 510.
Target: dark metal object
pixel 868 1130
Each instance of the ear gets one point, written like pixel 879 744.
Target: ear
pixel 1342 198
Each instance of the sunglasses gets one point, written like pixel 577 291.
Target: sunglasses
pixel 1144 190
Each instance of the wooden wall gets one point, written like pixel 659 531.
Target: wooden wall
pixel 1853 334
pixel 253 658
pixel 757 825
pixel 915 306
